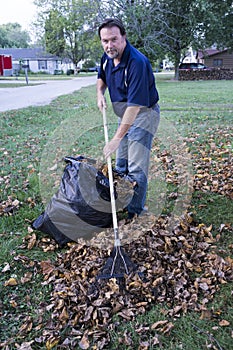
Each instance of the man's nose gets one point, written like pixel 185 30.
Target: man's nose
pixel 110 44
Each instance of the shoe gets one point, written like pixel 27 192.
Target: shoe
pixel 131 216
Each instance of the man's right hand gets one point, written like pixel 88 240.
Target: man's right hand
pixel 101 88
pixel 101 103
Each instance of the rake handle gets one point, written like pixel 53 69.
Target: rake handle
pixel 111 185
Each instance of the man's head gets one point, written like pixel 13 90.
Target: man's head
pixel 113 37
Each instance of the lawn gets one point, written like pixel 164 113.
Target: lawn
pixel 185 251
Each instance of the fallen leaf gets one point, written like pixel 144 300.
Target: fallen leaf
pixel 158 324
pixel 84 342
pixel 11 282
pixel 6 268
pixel 224 323
pixel 52 342
pixel 26 346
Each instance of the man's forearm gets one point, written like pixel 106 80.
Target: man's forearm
pixel 127 120
pixel 100 90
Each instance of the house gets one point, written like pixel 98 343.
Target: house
pixel 6 65
pixel 37 60
pixel 216 58
pixel 190 56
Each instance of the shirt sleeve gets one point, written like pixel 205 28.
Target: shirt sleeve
pixel 138 80
pixel 101 71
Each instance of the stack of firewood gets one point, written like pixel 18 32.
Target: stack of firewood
pixel 206 74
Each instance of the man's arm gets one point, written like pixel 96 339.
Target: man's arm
pixel 128 119
pixel 100 89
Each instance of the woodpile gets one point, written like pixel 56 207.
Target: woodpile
pixel 208 74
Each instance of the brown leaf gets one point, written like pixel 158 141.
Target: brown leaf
pixel 26 346
pixel 167 328
pixel 27 325
pixel 11 282
pixel 224 323
pixel 84 342
pixel 31 241
pixel 6 268
pixel 158 324
pixel 52 342
pixel 206 315
pixel 26 278
pixel 88 313
pixel 64 315
pixel 144 345
pixel 47 267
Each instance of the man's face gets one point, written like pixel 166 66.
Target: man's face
pixel 113 42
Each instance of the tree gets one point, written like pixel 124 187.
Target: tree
pixel 69 27
pixel 217 23
pixel 54 33
pixel 171 27
pixel 158 28
pixel 179 28
pixel 12 35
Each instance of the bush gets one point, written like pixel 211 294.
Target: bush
pixel 70 71
pixel 58 72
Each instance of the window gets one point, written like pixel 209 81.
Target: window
pixel 42 65
pixel 217 63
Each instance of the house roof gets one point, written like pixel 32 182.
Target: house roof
pixel 28 54
pixel 209 52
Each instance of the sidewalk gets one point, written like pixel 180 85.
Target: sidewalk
pixel 43 94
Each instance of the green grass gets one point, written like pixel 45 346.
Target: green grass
pixel 35 139
pixel 14 85
pixel 4 81
pixel 188 332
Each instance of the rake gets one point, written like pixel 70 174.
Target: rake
pixel 118 264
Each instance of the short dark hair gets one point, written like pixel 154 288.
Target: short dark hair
pixel 112 22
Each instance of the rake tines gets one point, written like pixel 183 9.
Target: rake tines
pixel 117 265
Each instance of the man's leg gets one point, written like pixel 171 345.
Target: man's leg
pixel 140 139
pixel 122 157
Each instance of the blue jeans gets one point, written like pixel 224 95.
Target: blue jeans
pixel 133 155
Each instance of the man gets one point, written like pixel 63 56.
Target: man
pixel 128 75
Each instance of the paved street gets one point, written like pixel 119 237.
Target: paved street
pixel 25 96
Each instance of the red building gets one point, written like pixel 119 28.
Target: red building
pixel 6 65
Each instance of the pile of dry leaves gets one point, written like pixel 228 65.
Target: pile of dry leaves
pixel 180 270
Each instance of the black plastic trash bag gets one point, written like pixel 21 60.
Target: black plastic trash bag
pixel 81 207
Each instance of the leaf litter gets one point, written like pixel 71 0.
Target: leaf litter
pixel 181 267
pixel 180 270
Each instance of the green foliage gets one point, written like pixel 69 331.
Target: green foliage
pixel 216 26
pixel 69 28
pixel 171 27
pixel 54 34
pixel 12 35
pixel 158 29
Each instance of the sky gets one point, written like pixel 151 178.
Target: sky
pixel 20 11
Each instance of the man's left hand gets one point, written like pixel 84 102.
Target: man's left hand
pixel 111 147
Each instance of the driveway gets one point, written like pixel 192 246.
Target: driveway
pixel 43 94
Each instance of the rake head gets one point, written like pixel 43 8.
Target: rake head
pixel 117 265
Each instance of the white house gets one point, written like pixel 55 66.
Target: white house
pixel 37 60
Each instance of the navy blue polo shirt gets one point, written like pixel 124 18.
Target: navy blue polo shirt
pixel 132 80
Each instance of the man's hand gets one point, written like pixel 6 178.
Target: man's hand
pixel 101 103
pixel 111 147
pixel 101 88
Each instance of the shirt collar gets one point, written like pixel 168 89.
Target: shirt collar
pixel 125 56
